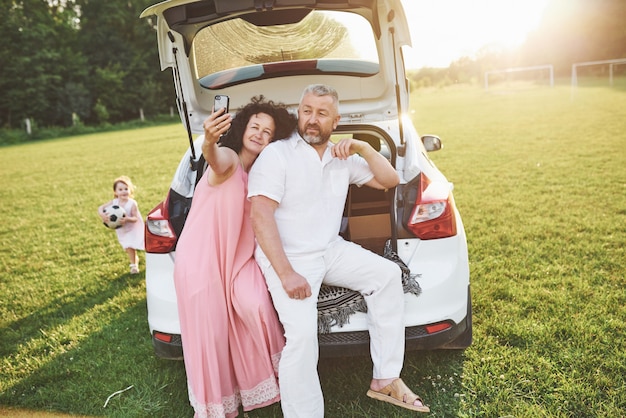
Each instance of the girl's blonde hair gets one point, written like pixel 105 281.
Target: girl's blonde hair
pixel 127 182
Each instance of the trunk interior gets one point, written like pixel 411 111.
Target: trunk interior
pixel 366 217
pixel 367 220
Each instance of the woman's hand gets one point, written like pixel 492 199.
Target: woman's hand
pixel 216 125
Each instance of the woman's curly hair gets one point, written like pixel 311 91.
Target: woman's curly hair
pixel 284 121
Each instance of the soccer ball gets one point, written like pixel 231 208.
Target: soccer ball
pixel 115 213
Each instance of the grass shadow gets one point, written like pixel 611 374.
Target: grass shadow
pixel 117 357
pixel 60 310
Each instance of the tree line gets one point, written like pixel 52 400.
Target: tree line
pixel 85 61
pixel 95 62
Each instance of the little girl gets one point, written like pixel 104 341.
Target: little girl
pixel 131 234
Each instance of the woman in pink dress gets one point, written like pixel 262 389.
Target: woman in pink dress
pixel 231 335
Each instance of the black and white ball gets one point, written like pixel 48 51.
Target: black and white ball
pixel 115 213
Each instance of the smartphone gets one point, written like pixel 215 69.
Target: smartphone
pixel 221 101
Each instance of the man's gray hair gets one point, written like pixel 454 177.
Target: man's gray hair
pixel 321 90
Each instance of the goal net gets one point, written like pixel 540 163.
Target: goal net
pixel 538 74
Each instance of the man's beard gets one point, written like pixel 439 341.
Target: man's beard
pixel 319 139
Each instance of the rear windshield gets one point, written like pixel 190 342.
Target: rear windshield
pixel 236 51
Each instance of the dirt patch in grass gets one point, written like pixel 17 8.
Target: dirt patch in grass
pixel 23 413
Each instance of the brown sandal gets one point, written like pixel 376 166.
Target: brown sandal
pixel 399 394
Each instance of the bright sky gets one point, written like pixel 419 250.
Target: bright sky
pixel 445 30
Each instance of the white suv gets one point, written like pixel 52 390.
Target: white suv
pixel 245 48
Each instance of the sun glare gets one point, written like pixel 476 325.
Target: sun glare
pixel 445 30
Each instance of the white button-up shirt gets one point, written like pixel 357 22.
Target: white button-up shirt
pixel 310 192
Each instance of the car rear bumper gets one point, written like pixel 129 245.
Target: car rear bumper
pixel 342 344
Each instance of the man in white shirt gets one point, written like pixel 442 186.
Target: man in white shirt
pixel 298 187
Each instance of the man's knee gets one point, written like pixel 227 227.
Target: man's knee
pixel 387 269
pixel 301 341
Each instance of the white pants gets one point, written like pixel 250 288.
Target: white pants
pixel 347 265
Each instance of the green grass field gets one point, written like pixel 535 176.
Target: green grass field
pixel 540 180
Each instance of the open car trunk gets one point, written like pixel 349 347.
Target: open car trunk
pixel 242 48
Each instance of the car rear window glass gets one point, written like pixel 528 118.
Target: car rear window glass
pixel 236 51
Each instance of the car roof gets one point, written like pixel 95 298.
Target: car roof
pixel 275 48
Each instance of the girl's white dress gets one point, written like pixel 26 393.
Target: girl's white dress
pixel 131 235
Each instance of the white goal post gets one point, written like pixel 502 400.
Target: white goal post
pixel 604 62
pixel 519 69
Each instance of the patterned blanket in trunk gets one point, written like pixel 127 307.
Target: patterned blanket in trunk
pixel 335 305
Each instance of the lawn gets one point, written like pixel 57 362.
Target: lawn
pixel 540 180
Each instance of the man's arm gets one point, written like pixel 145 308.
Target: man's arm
pixel 266 231
pixel 385 176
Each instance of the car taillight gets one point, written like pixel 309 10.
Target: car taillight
pixel 160 237
pixel 432 215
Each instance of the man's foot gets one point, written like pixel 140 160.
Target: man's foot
pixel 396 393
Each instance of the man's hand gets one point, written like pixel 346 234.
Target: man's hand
pixel 348 146
pixel 296 285
pixel 385 176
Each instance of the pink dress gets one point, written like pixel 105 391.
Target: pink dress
pixel 131 235
pixel 231 335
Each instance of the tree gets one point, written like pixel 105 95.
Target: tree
pixel 38 62
pixel 576 31
pixel 62 58
pixel 122 57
